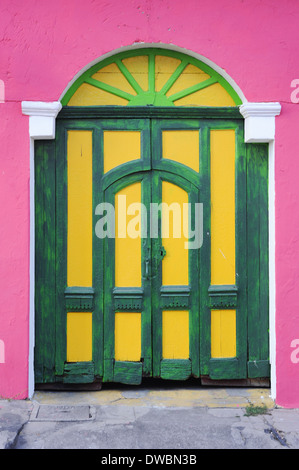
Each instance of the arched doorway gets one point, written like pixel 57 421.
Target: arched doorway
pixel 145 137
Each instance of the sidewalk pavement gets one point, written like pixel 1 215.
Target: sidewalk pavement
pixel 160 417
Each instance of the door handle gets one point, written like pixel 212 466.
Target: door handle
pixel 146 268
pixel 162 252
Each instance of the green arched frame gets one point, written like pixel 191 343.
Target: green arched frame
pixel 151 96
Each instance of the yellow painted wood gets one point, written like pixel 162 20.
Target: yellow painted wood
pixel 223 333
pixel 174 235
pixel 111 75
pixel 214 95
pixel 190 76
pixel 175 334
pixel 222 207
pixel 79 336
pixel 128 237
pixel 88 95
pixel 79 224
pixel 164 68
pixel 138 67
pixel 120 147
pixel 182 146
pixel 127 336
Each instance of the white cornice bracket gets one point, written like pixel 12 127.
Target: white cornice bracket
pixel 42 118
pixel 260 121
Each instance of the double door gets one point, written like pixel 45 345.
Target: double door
pixel 151 295
pixel 142 235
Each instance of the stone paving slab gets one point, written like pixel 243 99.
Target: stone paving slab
pixel 14 414
pixel 62 413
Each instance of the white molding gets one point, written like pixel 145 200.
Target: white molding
pixel 272 271
pixel 42 118
pixel 31 276
pixel 259 123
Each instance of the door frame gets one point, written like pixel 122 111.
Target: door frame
pixel 71 119
pixel 259 121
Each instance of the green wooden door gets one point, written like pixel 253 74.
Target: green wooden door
pixel 147 302
pixel 151 307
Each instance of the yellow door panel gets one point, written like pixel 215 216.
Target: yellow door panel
pixel 223 333
pixel 127 241
pixel 79 336
pixel 222 207
pixel 174 235
pixel 182 146
pixel 120 147
pixel 79 226
pixel 175 334
pixel 127 336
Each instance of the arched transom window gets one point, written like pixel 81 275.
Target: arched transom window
pixel 151 77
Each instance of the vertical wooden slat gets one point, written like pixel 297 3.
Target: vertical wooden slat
pixel 61 246
pixel 257 248
pixel 45 269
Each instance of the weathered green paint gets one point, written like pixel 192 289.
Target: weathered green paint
pixel 78 373
pixel 175 369
pixel 54 298
pixel 80 299
pixel 149 112
pixel 259 368
pixel 128 372
pixel 257 248
pixel 45 258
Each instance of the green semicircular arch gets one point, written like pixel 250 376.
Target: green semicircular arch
pixel 151 76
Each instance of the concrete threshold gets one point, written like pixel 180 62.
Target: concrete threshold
pixel 161 396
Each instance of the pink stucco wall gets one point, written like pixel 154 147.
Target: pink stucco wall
pixel 44 44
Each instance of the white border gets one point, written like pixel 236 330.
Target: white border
pixel 42 118
pixel 272 271
pixel 259 127
pixel 31 276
